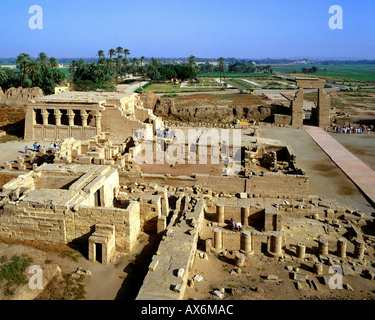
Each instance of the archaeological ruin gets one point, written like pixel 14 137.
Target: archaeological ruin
pixel 83 115
pixel 99 190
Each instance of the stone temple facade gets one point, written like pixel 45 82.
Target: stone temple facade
pixel 82 115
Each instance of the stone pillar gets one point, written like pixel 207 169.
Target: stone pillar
pixel 341 247
pixel 71 115
pixel 7 165
pixel 45 115
pixel 323 247
pixel 318 268
pixel 301 250
pixel 208 243
pixel 297 109
pixel 57 115
pixel 98 121
pixel 275 248
pixel 84 117
pixel 359 249
pixel 239 259
pixel 162 224
pixel 245 212
pixel 218 239
pixel 246 246
pixel 220 214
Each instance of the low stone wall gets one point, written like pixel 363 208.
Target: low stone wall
pixel 175 254
pixel 270 184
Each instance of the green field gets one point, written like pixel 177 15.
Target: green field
pixel 356 72
pixel 234 75
pixel 174 88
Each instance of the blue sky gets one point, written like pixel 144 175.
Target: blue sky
pixel 178 28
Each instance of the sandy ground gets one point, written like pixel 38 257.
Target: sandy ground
pixel 326 179
pixel 361 145
pixel 120 280
pixel 9 151
pixel 252 282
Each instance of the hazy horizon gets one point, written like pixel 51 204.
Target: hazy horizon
pixel 243 29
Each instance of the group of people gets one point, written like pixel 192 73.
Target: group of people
pixel 54 145
pixel 235 225
pixel 350 130
pixel 37 146
pixel 165 133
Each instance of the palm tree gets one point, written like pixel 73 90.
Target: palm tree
pixel 21 62
pixel 101 54
pixel 111 53
pixel 192 64
pixel 192 61
pixel 142 60
pixel 3 76
pixel 221 66
pixel 125 63
pixel 126 53
pixel 118 50
pixel 43 60
pixel 99 72
pixel 135 63
pixel 32 67
pixel 53 62
pixel 72 67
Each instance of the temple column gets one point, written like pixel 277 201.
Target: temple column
pixel 71 115
pixel 98 122
pixel 45 115
pixel 57 115
pixel 84 117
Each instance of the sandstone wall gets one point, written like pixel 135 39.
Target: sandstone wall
pixel 65 226
pixel 270 184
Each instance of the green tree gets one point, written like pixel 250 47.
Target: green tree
pixel 53 62
pixel 119 50
pixel 21 61
pixel 43 60
pixel 101 55
pixel 126 53
pixel 111 53
pixel 222 65
pixel 32 67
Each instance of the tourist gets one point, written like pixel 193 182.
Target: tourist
pixel 231 223
pixel 26 148
pixel 238 226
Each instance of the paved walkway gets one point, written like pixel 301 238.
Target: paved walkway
pixel 361 174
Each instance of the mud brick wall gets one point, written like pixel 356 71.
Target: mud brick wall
pixel 281 119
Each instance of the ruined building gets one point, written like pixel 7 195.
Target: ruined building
pixel 83 115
